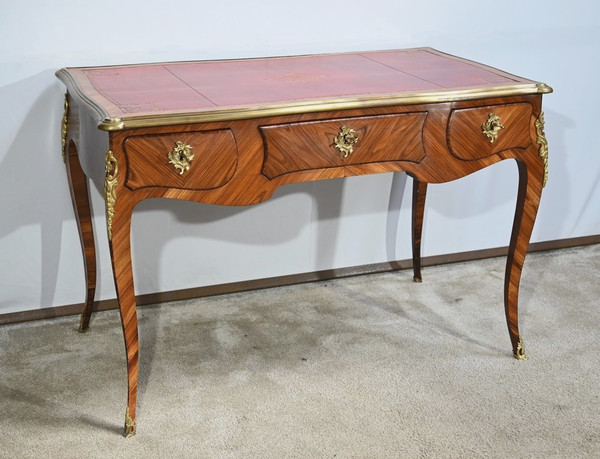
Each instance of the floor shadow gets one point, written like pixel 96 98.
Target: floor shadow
pixel 34 409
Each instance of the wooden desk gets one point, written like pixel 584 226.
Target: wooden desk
pixel 231 132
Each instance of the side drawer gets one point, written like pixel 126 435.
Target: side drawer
pixel 311 145
pixel 149 163
pixel 507 127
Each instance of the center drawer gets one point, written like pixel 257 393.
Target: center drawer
pixel 342 142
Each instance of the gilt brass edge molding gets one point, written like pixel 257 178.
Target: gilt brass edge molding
pixel 297 107
pixel 110 192
pixel 543 143
pixel 97 110
pixel 64 128
pixel 116 124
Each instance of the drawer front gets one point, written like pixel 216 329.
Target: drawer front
pixel 475 133
pixel 320 144
pixel 165 160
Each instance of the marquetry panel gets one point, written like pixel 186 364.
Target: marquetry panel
pixel 149 163
pixel 507 126
pixel 307 146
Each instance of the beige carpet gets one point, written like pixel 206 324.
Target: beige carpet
pixel 374 366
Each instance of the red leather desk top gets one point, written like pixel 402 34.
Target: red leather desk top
pixel 151 90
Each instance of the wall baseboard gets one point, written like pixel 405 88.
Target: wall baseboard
pixel 242 286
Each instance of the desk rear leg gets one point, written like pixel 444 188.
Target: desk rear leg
pixel 78 185
pixel 418 211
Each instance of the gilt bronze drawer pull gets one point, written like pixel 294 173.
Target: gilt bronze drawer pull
pixel 346 140
pixel 181 157
pixel 492 127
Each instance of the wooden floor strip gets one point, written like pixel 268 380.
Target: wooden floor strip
pixel 242 286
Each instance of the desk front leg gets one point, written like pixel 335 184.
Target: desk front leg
pixel 120 252
pixel 528 200
pixel 119 209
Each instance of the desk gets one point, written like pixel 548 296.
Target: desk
pixel 231 132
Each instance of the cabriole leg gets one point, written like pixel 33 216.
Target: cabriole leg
pixel 120 251
pixel 418 211
pixel 118 220
pixel 530 190
pixel 78 185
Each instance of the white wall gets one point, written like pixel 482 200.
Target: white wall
pixel 305 227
